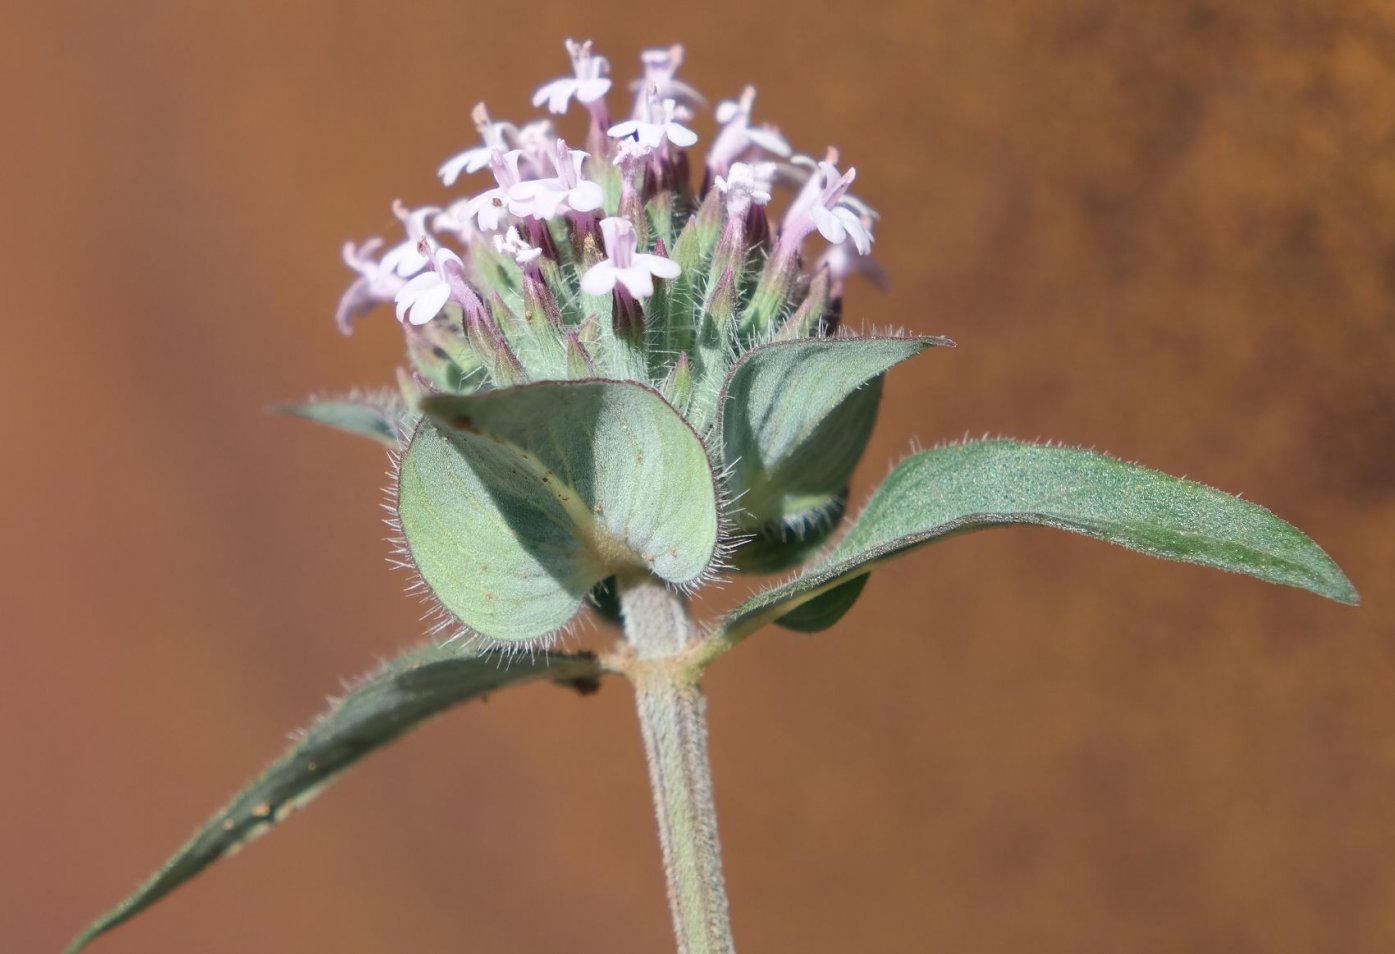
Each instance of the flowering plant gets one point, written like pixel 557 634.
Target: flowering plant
pixel 622 383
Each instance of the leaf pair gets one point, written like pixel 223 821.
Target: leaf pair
pixel 516 503
pixel 626 500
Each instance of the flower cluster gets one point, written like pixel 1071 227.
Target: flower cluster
pixel 607 262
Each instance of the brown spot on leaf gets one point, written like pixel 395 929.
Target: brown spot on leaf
pixel 584 685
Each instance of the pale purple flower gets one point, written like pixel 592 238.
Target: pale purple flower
pixel 824 204
pixel 659 67
pixel 636 271
pixel 738 137
pixel 588 85
pixel 835 219
pixel 566 190
pixel 535 140
pixel 374 285
pixel 659 124
pixel 745 184
pixel 488 208
pixel 512 244
pixel 407 258
pixel 422 298
pixel 495 136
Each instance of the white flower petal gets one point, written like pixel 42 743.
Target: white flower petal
pixel 828 224
pixel 409 294
pixel 658 266
pixel 590 90
pixel 586 197
pixel 556 94
pixel 450 171
pixel 599 278
pixel 636 278
pixel 769 140
pixel 487 209
pixel 544 204
pixel 404 259
pixel 429 305
pixel 861 238
pixel 681 135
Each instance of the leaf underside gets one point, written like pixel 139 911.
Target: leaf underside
pixel 515 503
pixel 375 417
pixel 977 486
pixel 380 708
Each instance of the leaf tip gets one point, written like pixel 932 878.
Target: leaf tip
pixel 1342 590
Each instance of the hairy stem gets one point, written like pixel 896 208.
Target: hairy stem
pixel 672 718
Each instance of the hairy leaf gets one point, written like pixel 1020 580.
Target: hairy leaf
pixel 795 419
pixel 376 417
pixel 976 486
pixel 515 503
pixel 380 708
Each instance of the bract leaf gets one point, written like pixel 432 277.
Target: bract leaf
pixel 379 709
pixel 976 486
pixel 515 503
pixel 376 417
pixel 795 419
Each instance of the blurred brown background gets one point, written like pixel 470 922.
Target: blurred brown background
pixel 1162 229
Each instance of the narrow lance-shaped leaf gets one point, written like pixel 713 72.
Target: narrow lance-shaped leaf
pixel 381 708
pixel 515 503
pixel 376 417
pixel 996 483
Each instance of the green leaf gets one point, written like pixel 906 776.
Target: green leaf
pixel 380 708
pixel 376 417
pixel 515 503
pixel 795 419
pixel 825 609
pixel 778 547
pixel 996 483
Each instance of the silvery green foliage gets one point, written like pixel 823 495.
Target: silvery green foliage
pixel 980 485
pixel 378 709
pixel 614 375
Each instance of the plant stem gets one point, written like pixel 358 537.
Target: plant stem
pixel 672 718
